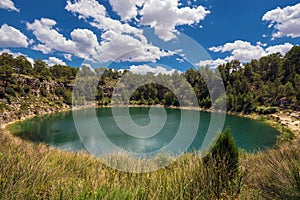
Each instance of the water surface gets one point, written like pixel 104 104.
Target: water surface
pixel 58 130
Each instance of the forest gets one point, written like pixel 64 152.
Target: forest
pixel 263 85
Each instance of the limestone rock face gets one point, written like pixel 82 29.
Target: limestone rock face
pixel 38 98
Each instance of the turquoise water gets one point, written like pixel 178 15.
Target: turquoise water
pixel 59 130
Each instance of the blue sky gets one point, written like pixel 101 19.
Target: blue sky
pixel 145 34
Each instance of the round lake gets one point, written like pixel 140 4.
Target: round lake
pixel 59 130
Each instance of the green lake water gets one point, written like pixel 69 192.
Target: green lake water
pixel 59 130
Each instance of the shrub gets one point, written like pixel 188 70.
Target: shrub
pixel 43 92
pixel 10 91
pixel 2 94
pixel 26 89
pixel 266 110
pixel 221 168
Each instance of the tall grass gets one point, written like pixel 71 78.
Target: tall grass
pixel 277 173
pixel 35 171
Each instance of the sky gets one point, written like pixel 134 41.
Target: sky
pixel 148 35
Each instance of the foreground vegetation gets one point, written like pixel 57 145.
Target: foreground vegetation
pixel 35 171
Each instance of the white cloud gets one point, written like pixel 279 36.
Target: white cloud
pixel 91 9
pixel 54 61
pixel 126 48
pixel 244 51
pixel 43 48
pixel 84 43
pixel 68 56
pixel 241 50
pixel 211 63
pixel 8 5
pixel 144 69
pixel 180 60
pixel 49 37
pixel 281 48
pixel 164 16
pixel 126 9
pixel 286 21
pixel 119 40
pixel 12 37
pixel 81 44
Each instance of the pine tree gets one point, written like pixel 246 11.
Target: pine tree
pixel 222 165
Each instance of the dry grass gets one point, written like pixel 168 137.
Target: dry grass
pixel 35 171
pixel 276 173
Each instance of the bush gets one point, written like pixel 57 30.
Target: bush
pixel 10 91
pixel 222 170
pixel 2 94
pixel 266 110
pixel 26 89
pixel 43 92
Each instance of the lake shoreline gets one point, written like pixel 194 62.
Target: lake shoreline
pixel 277 120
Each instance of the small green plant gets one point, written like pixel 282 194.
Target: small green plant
pixel 222 168
pixel 286 134
pixel 26 89
pixel 261 118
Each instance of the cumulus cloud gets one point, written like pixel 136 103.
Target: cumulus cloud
pixel 12 37
pixel 126 9
pixel 49 37
pixel 8 5
pixel 281 48
pixel 211 63
pixel 84 44
pixel 285 21
pixel 43 48
pixel 91 9
pixel 164 16
pixel 81 44
pixel 122 42
pixel 241 50
pixel 126 48
pixel 144 69
pixel 244 51
pixel 54 61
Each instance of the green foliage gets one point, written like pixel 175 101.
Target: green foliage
pixel 225 155
pixel 22 65
pixel 41 70
pixel 63 74
pixel 258 86
pixel 26 89
pixel 6 77
pixel 3 107
pixel 43 92
pixel 222 167
pixel 66 94
pixel 10 91
pixel 266 110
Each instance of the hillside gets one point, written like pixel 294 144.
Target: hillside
pixel 263 85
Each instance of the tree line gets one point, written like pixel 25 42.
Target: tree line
pixel 263 85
